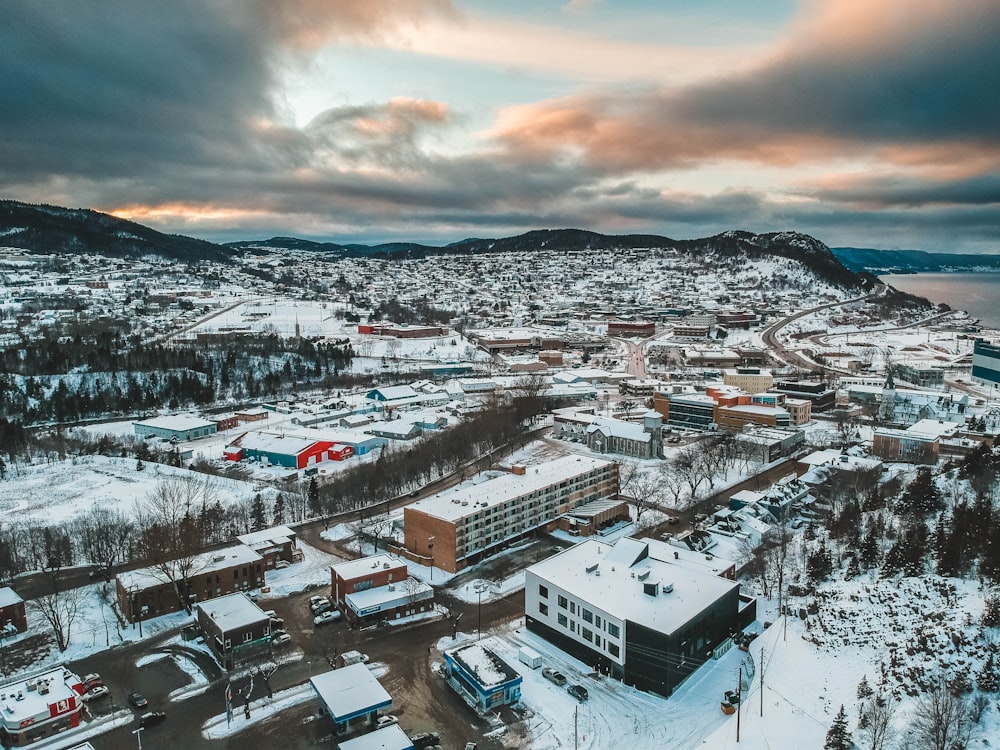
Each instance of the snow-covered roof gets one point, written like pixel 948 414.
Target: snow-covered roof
pixel 350 691
pixel 488 668
pixel 366 566
pixel 276 535
pixel 386 738
pixel 396 392
pixel 448 505
pixel 232 611
pixel 206 562
pixel 268 442
pixel 934 428
pixel 23 701
pixel 620 428
pixel 177 422
pixel 8 597
pixel 616 579
pixel 391 595
pixel 834 457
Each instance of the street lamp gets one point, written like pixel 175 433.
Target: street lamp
pixel 138 736
pixel 430 553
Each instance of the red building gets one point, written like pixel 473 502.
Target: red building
pixel 631 328
pixel 12 611
pixel 366 573
pixel 39 705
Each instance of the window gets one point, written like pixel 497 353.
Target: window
pixel 562 620
pixel 587 633
pixel 572 608
pixel 247 637
pixel 613 649
pixel 562 601
pixel 597 622
pixel 543 591
pixel 588 616
pixel 572 626
pixel 613 630
pixel 543 608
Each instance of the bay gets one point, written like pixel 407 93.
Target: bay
pixel 976 293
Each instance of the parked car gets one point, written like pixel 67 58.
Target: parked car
pixel 270 613
pixel 470 746
pixel 279 564
pixel 329 616
pixel 151 719
pixel 316 599
pixel 280 638
pixel 320 602
pixel 672 520
pixel 554 675
pixel 137 699
pixel 385 721
pixel 91 680
pixel 322 607
pixel 578 691
pixel 98 691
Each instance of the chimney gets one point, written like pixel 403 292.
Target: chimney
pixel 518 469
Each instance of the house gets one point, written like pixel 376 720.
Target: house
pixel 39 704
pixel 352 697
pixel 627 438
pixel 481 677
pixel 395 430
pixel 235 628
pixel 12 613
pixel 149 592
pixel 276 543
pixel 470 522
pixel 256 414
pixel 634 611
pixel 178 428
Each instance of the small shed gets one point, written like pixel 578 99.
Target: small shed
pixel 481 677
pixel 12 614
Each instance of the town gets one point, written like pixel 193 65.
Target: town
pixel 528 499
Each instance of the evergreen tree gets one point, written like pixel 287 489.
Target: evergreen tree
pixel 838 738
pixel 820 564
pixel 986 679
pixel 960 682
pixel 314 505
pixel 864 689
pixel 279 510
pixel 922 497
pixel 258 514
pixel 991 611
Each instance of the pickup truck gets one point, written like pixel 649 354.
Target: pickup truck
pixel 554 676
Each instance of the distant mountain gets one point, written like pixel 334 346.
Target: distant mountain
pixel 52 229
pixel 912 261
pixel 801 247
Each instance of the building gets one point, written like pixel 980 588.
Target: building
pixel 627 328
pixel 627 438
pixel 765 444
pixel 799 409
pixel 378 588
pixel 235 628
pixel 402 330
pixel 985 363
pixel 473 521
pixel 919 376
pixel 686 411
pixel 907 446
pixel 822 397
pixel 749 379
pixel 179 427
pixel 595 518
pixel 150 592
pixel 481 677
pixel 634 610
pixel 734 418
pixel 639 388
pixel 276 543
pixel 12 612
pixel 352 697
pixel 39 704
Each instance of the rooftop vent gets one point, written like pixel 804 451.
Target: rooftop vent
pixel 643 575
pixel 592 567
pixel 668 588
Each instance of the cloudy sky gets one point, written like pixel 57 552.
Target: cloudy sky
pixel 873 123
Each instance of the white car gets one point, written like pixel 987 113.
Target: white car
pixel 328 616
pixel 385 721
pixel 280 639
pixel 98 691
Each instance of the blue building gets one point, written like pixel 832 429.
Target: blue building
pixel 179 427
pixel 484 679
pixel 986 362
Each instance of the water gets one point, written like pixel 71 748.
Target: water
pixel 976 293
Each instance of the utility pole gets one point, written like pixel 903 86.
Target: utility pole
pixel 739 702
pixel 576 734
pixel 762 681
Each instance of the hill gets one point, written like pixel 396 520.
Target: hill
pixel 52 229
pixel 860 259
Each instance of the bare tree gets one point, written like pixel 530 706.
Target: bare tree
pixel 60 608
pixel 170 539
pixel 942 720
pixel 877 714
pixel 105 537
pixel 643 489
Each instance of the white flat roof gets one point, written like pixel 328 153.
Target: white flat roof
pixel 619 588
pixel 350 691
pixel 366 566
pixel 232 611
pixel 33 703
pixel 206 562
pixel 179 422
pixel 274 535
pixel 448 505
pixel 403 591
pixel 386 738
